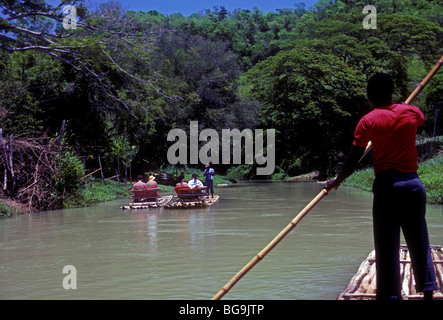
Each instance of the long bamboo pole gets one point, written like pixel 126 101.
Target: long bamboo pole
pixel 271 245
pixel 307 209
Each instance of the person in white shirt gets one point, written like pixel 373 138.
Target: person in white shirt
pixel 194 182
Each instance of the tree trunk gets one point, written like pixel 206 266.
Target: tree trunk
pixel 118 167
pixel 101 169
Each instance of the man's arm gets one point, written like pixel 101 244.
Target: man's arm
pixel 348 167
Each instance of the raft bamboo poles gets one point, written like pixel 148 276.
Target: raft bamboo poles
pixel 225 289
pixel 362 284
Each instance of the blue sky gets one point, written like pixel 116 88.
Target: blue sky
pixel 188 7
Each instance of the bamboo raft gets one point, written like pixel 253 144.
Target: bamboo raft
pixel 201 202
pixel 157 203
pixel 363 284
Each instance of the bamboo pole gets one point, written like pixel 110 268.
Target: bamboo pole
pixel 439 267
pixel 412 96
pixel 372 279
pixel 407 281
pixel 271 245
pixel 355 283
pixel 91 173
pixel 308 208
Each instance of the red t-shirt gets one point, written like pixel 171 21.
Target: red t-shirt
pixel 392 131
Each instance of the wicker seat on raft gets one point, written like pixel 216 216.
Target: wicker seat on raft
pixel 185 193
pixel 146 195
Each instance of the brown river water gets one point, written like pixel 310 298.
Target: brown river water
pixel 190 254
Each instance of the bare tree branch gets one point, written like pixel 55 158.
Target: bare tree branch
pixel 105 31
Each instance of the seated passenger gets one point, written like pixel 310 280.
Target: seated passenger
pixel 151 183
pixel 195 182
pixel 181 182
pixel 139 185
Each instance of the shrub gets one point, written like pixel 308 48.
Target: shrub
pixel 69 173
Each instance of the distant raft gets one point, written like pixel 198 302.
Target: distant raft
pixel 146 199
pixel 198 203
pixel 191 198
pixel 363 284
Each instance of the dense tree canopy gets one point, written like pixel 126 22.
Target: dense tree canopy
pixel 120 81
pixel 314 86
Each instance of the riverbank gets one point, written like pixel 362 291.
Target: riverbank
pixel 95 192
pixel 430 172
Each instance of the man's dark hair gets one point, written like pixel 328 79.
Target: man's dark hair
pixel 380 89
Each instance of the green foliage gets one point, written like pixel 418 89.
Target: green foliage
pixel 430 172
pixel 433 98
pixel 362 179
pixel 279 174
pixel 125 81
pixel 95 192
pixel 69 173
pixel 188 172
pixel 9 209
pixel 313 90
pixel 241 172
pixel 287 82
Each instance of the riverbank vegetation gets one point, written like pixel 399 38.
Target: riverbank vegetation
pixel 430 151
pixel 430 172
pixel 98 100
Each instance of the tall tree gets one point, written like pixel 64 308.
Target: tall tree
pixel 314 87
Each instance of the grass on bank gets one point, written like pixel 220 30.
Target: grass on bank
pixel 430 172
pixel 9 208
pixel 95 192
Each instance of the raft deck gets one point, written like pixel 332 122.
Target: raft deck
pixel 156 203
pixel 201 202
pixel 363 284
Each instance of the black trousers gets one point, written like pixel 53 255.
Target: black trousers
pixel 209 187
pixel 400 203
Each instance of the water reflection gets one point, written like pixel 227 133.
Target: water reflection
pixel 191 254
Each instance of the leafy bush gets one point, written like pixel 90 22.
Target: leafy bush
pixel 430 172
pixel 362 179
pixel 70 171
pixel 95 192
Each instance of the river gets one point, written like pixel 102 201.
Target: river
pixel 190 254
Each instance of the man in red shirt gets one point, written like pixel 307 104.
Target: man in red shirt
pixel 399 195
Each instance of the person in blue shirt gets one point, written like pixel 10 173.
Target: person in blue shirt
pixel 209 173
